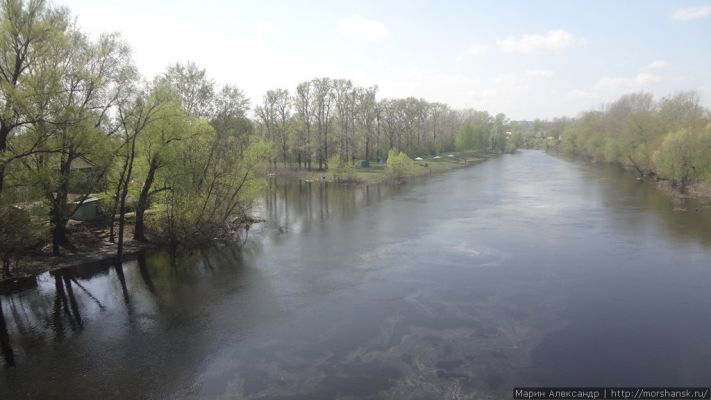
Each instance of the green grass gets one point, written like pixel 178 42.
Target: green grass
pixel 378 173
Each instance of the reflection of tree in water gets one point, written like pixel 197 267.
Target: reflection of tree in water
pixel 28 321
pixel 62 304
pixel 7 352
pixel 65 305
pixel 299 203
pixel 145 274
pixel 89 294
pixel 634 202
pixel 122 280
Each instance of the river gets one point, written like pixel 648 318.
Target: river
pixel 526 269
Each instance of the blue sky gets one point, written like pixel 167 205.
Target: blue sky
pixel 528 59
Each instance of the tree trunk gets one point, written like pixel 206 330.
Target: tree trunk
pixel 59 227
pixel 2 177
pixel 4 133
pixel 122 206
pixel 60 239
pixel 143 201
pixel 117 195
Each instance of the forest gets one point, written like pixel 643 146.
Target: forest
pixel 183 157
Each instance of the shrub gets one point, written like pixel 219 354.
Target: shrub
pixel 17 235
pixel 398 164
pixel 341 170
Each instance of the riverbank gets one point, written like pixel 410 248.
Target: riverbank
pixel 700 191
pixel 92 244
pixel 378 173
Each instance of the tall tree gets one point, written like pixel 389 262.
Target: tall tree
pixel 195 89
pixel 28 33
pixel 91 79
pixel 304 105
pixel 323 107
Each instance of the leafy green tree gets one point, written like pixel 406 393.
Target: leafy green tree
pixel 157 150
pixel 136 114
pixel 341 169
pixel 17 234
pixel 90 81
pixel 195 89
pixel 211 186
pixel 29 32
pixel 684 156
pixel 474 134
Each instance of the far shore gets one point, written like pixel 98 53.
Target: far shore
pixel 377 172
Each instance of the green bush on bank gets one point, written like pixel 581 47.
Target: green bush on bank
pixel 341 169
pixel 398 164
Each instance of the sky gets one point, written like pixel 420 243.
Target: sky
pixel 527 59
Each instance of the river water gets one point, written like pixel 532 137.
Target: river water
pixel 523 270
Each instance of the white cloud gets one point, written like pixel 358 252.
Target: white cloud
pixel 658 64
pixel 531 43
pixel 691 13
pixel 627 83
pixel 359 27
pixel 474 50
pixel 607 87
pixel 539 73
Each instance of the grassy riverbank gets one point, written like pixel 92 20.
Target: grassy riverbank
pixel 378 173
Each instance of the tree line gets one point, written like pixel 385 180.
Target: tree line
pixel 326 117
pixel 667 139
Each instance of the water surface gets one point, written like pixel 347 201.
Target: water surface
pixel 524 270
